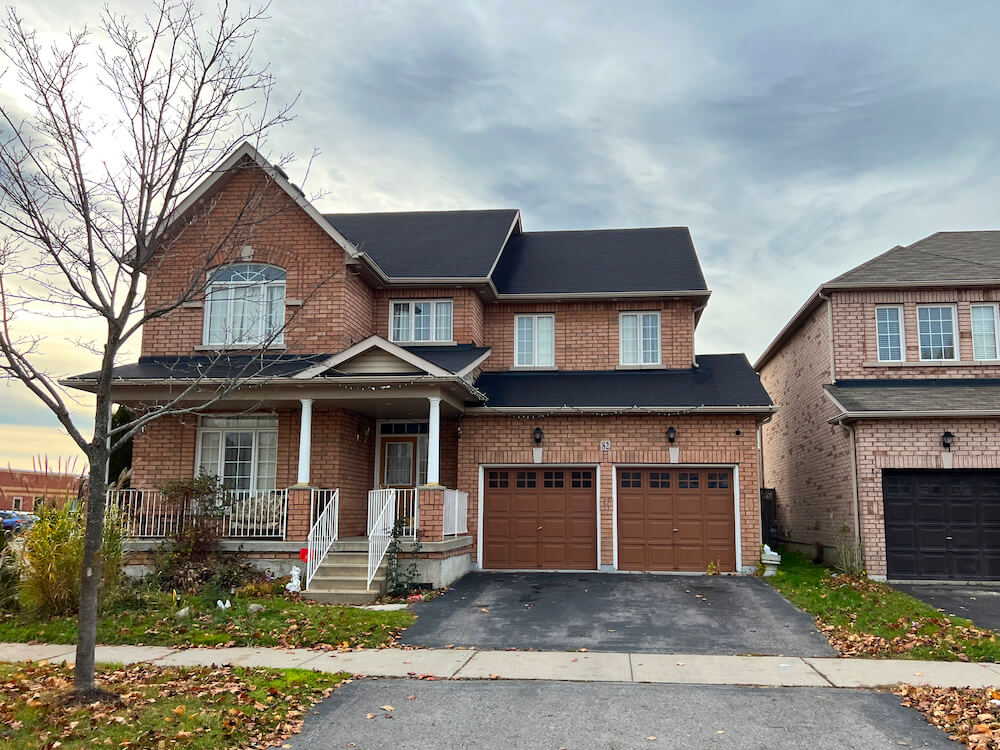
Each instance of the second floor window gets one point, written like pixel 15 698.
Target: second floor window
pixel 534 341
pixel 936 329
pixel 984 332
pixel 639 338
pixel 241 451
pixel 420 320
pixel 245 305
pixel 889 329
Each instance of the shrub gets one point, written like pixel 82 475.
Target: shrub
pixel 188 559
pixel 850 556
pixel 8 573
pixel 49 555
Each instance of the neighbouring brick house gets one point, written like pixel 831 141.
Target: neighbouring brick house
pixel 28 491
pixel 888 382
pixel 524 400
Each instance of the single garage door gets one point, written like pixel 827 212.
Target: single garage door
pixel 942 524
pixel 543 518
pixel 676 519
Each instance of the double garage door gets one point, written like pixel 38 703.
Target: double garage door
pixel 669 519
pixel 942 524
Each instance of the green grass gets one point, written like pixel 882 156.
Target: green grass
pixel 149 619
pixel 157 707
pixel 867 618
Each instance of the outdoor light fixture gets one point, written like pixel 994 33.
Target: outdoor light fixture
pixel 671 435
pixel 538 436
pixel 947 439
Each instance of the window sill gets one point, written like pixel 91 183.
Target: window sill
pixel 238 348
pixel 424 343
pixel 528 368
pixel 641 367
pixel 937 363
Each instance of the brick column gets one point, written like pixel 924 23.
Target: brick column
pixel 431 513
pixel 299 512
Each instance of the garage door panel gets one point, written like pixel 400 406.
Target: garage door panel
pixel 942 524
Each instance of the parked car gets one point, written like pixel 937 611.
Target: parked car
pixel 15 522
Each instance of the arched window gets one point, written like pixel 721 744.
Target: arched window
pixel 245 305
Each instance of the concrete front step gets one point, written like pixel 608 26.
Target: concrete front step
pixel 342 597
pixel 346 558
pixel 341 583
pixel 351 545
pixel 354 571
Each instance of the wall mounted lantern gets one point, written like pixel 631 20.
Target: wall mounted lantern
pixel 671 435
pixel 947 439
pixel 538 435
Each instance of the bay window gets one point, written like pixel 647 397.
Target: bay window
pixel 534 341
pixel 639 338
pixel 245 305
pixel 420 320
pixel 241 451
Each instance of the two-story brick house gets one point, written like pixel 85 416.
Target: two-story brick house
pixel 526 400
pixel 888 383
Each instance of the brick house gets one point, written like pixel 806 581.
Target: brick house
pixel 28 491
pixel 887 380
pixel 523 400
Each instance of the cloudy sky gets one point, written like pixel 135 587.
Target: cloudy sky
pixel 795 139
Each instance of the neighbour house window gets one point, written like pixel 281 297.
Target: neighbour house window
pixel 639 338
pixel 936 327
pixel 18 502
pixel 984 332
pixel 241 451
pixel 423 320
pixel 39 502
pixel 534 341
pixel 245 305
pixel 889 329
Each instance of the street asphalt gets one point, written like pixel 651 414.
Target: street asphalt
pixel 628 613
pixel 979 603
pixel 464 714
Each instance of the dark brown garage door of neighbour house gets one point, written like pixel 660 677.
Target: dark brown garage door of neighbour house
pixel 942 524
pixel 679 519
pixel 540 518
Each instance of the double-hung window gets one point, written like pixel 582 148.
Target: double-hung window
pixel 936 327
pixel 245 305
pixel 241 451
pixel 534 341
pixel 984 332
pixel 420 320
pixel 639 338
pixel 889 330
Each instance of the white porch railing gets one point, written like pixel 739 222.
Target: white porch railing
pixel 250 515
pixel 325 506
pixel 456 512
pixel 381 518
pixel 408 511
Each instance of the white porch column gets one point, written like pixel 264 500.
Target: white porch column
pixel 434 441
pixel 305 440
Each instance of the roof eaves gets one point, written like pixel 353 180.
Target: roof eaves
pixel 808 307
pixel 597 295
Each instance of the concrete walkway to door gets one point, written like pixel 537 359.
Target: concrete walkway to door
pixel 715 615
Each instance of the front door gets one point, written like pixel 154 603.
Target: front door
pixel 399 461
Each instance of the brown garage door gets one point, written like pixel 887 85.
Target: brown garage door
pixel 676 519
pixel 537 517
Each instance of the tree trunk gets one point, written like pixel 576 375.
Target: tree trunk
pixel 90 576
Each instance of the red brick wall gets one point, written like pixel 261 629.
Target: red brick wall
pixel 806 460
pixel 912 444
pixel 338 309
pixel 586 333
pixel 857 345
pixel 467 310
pixel 634 439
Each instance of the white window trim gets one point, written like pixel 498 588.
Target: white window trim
pixel 902 334
pixel 277 341
pixel 17 503
pixel 954 328
pixel 996 329
pixel 659 342
pixel 534 333
pixel 254 453
pixel 431 340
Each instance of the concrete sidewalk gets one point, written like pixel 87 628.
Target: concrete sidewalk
pixel 766 671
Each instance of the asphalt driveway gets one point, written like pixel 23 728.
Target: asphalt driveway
pixel 462 714
pixel 979 603
pixel 604 612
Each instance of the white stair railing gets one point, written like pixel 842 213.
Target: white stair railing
pixel 381 518
pixel 324 531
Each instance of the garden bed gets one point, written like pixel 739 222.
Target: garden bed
pixel 864 618
pixel 157 707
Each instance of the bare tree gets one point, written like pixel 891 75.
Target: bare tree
pixel 82 226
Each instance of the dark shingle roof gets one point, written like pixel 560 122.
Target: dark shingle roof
pixel 941 258
pixel 719 380
pixel 607 260
pixel 231 366
pixel 943 395
pixel 432 244
pixel 451 358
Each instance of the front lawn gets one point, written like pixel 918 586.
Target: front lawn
pixel 157 707
pixel 870 619
pixel 151 619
